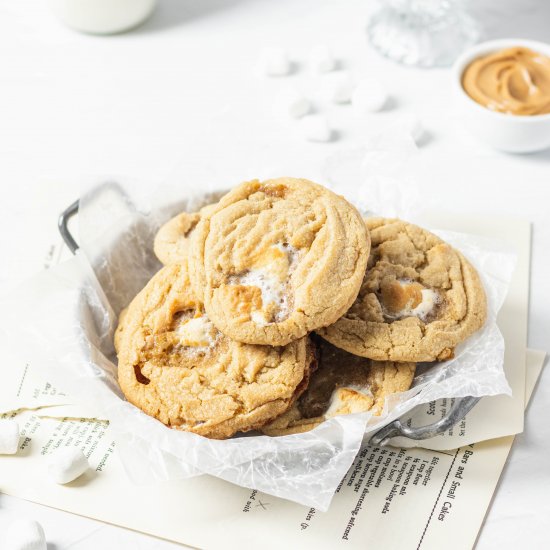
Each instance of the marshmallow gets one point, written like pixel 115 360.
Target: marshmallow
pixel 316 128
pixel 275 62
pixel 369 96
pixel 295 104
pixel 350 400
pixel 9 437
pixel 339 88
pixel 67 464
pixel 24 534
pixel 321 60
pixel 413 126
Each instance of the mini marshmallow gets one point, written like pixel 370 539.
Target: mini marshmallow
pixel 321 59
pixel 9 437
pixel 295 104
pixel 275 62
pixel 24 534
pixel 369 96
pixel 338 88
pixel 67 464
pixel 413 126
pixel 316 128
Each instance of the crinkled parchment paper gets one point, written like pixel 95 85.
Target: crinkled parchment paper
pixel 64 320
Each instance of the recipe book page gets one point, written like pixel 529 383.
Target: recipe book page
pixel 393 497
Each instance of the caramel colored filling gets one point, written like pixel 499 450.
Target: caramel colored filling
pixel 278 190
pixel 262 293
pixel 400 296
pixel 349 401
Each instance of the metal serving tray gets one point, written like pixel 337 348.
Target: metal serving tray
pixel 455 414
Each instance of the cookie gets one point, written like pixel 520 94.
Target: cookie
pixel 419 298
pixel 343 384
pixel 172 239
pixel 121 327
pixel 276 260
pixel 177 367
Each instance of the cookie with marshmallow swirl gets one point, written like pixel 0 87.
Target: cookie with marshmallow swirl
pixel 275 260
pixel 419 299
pixel 177 367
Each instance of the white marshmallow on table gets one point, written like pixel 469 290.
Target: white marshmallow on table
pixel 316 128
pixel 24 534
pixel 275 62
pixel 338 87
pixel 322 60
pixel 296 104
pixel 66 464
pixel 9 437
pixel 369 96
pixel 412 125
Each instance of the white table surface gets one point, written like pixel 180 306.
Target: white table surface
pixel 178 99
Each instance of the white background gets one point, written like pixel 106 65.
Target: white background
pixel 179 99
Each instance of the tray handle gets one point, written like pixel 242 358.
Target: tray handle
pixel 63 226
pixel 460 408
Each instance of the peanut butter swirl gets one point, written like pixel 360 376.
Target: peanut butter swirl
pixel 514 81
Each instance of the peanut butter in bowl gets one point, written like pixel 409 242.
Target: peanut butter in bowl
pixel 514 81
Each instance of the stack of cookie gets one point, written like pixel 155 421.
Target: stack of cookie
pixel 279 307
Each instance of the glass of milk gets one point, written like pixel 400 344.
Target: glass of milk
pixel 102 16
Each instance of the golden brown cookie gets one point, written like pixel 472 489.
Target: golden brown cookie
pixel 343 384
pixel 419 298
pixel 172 239
pixel 277 259
pixel 121 327
pixel 176 366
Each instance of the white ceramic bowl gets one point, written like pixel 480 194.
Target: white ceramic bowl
pixel 510 133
